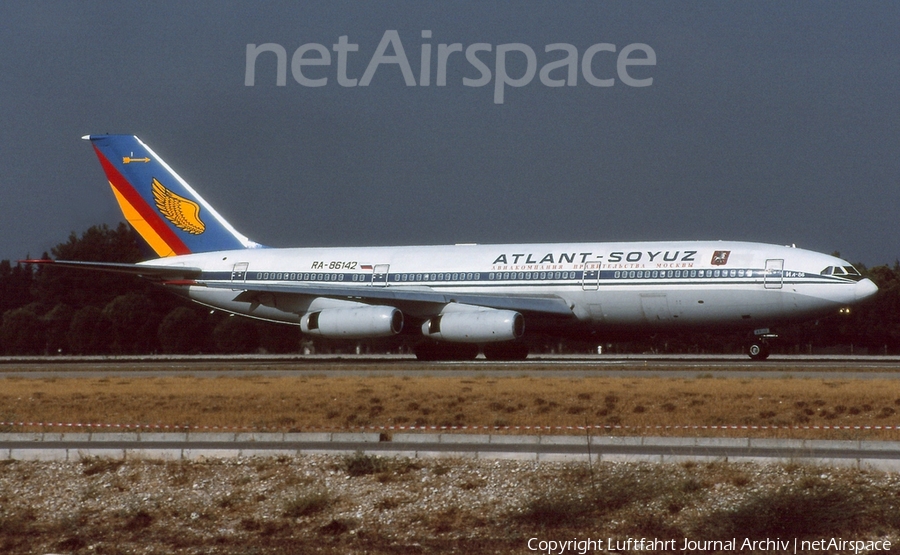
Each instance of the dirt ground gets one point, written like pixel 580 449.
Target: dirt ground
pixel 774 407
pixel 359 504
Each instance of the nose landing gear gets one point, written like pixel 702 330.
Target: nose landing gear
pixel 759 350
pixel 759 344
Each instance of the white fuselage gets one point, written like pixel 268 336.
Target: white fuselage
pixel 615 286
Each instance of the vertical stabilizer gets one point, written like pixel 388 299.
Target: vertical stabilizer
pixel 168 214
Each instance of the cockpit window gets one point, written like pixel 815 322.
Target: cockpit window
pixel 848 272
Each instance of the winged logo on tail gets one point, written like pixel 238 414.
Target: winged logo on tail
pixel 182 212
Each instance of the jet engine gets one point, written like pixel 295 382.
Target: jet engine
pixel 353 323
pixel 476 326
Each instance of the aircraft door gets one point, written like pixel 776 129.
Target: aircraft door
pixel 774 276
pixel 239 273
pixel 590 281
pixel 380 275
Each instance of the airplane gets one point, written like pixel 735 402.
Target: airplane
pixel 457 300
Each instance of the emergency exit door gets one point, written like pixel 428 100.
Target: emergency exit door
pixel 774 277
pixel 380 275
pixel 239 273
pixel 590 280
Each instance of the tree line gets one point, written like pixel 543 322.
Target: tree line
pixel 47 310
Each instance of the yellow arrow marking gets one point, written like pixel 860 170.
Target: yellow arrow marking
pixel 128 160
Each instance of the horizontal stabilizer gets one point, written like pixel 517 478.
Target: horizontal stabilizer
pixel 142 270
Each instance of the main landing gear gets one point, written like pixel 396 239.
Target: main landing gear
pixel 431 351
pixel 442 351
pixel 506 351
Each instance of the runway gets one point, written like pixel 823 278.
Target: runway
pixel 567 366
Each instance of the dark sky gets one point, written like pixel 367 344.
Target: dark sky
pixel 765 121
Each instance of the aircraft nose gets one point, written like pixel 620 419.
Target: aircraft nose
pixel 865 289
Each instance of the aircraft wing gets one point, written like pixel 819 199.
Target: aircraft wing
pixel 142 270
pixel 186 275
pixel 384 295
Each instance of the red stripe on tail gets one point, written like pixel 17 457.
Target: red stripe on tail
pixel 137 201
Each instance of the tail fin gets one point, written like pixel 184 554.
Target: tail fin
pixel 170 216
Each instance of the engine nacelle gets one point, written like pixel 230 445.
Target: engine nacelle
pixel 476 326
pixel 353 323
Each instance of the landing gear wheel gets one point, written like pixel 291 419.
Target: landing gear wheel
pixel 431 352
pixel 505 351
pixel 759 350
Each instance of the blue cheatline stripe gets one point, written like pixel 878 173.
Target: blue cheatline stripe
pixel 555 278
